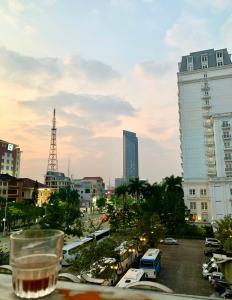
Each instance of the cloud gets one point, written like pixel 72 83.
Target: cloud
pixel 154 67
pixel 215 4
pixel 40 72
pixel 83 110
pixel 94 70
pixel 188 33
pixel 226 32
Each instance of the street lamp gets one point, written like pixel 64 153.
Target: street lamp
pixel 4 219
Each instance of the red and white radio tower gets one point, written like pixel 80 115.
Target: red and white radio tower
pixel 52 159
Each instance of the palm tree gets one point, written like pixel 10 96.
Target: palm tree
pixel 121 192
pixel 136 187
pixel 173 184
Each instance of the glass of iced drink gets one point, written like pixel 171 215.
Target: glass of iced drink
pixel 35 257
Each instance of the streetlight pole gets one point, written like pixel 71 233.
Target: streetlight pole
pixel 4 219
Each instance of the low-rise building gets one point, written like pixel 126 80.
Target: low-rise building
pixel 56 180
pixel 89 190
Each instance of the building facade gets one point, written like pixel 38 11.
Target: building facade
pixel 130 156
pixel 89 189
pixel 56 180
pixel 9 158
pixel 205 115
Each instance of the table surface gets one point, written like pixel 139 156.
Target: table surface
pixel 76 291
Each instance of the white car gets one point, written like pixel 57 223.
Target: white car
pixel 169 241
pixel 211 242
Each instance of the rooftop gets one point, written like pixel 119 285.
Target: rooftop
pixel 195 59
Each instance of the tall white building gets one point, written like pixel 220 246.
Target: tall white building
pixel 205 114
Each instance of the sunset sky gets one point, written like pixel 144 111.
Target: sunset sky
pixel 105 65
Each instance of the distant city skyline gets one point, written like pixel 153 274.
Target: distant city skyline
pixel 105 66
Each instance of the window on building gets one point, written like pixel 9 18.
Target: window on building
pixel 227 156
pixel 227 144
pixel 225 124
pixel 22 194
pixel 206 93
pixel 190 59
pixel 192 191
pixel 226 134
pixel 4 192
pixel 219 54
pixel 87 191
pixel 204 58
pixel 2 160
pixel 7 167
pixel 193 205
pixel 219 63
pixel 205 75
pixel 204 206
pixel 231 191
pixel 202 192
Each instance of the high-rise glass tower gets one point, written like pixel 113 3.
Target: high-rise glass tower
pixel 130 156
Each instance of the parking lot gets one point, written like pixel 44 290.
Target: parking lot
pixel 182 268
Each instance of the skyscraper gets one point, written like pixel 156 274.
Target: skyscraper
pixel 9 158
pixel 130 155
pixel 205 114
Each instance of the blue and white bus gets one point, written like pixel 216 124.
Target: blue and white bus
pixel 151 263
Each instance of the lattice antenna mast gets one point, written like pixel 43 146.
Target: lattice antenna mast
pixel 52 159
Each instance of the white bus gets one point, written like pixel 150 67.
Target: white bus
pixel 125 258
pixel 131 276
pixel 100 234
pixel 104 269
pixel 70 251
pixel 151 263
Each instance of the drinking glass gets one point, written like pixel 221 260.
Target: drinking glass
pixel 35 257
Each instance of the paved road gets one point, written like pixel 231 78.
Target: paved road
pixel 182 268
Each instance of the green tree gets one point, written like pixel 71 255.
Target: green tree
pixel 224 232
pixel 63 212
pixel 101 203
pixel 121 192
pixel 136 187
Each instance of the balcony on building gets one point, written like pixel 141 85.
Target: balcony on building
pixel 227 147
pixel 206 106
pixel 209 142
pixel 228 158
pixel 225 125
pixel 206 97
pixel 211 163
pixel 205 87
pixel 210 153
pixel 226 136
pixel 212 172
pixel 209 132
pixel 208 124
pixel 207 114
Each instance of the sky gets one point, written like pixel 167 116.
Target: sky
pixel 106 66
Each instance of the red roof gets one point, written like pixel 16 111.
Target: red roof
pixel 27 182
